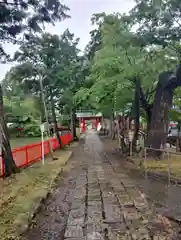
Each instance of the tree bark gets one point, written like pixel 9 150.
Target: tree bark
pixel 123 134
pixel 73 125
pixel 136 112
pixel 55 119
pixel 111 125
pixel 159 120
pixel 10 166
pixel 179 135
pixel 148 117
pixel 113 130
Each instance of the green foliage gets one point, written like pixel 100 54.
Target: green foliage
pixel 24 113
pixel 174 115
pixel 158 22
pixel 21 108
pixel 32 130
pixel 116 65
pixel 22 18
pixel 55 59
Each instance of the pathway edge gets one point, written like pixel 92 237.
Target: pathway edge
pixel 41 201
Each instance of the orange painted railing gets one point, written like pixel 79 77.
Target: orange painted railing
pixel 23 156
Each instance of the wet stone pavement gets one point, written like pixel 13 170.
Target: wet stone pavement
pixel 94 200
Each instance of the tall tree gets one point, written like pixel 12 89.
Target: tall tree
pixel 61 67
pixel 19 21
pixel 120 64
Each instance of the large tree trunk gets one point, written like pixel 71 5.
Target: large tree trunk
pixel 73 125
pixel 10 166
pixel 159 120
pixel 55 119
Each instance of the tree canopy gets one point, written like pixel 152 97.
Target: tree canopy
pixel 131 65
pixel 20 19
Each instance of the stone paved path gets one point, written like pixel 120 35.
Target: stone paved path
pixel 95 201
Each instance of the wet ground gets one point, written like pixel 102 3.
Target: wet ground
pixel 97 198
pixel 166 198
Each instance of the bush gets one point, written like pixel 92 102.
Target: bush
pixel 31 130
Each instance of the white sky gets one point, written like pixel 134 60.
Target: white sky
pixel 81 12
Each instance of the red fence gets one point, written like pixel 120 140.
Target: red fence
pixel 25 155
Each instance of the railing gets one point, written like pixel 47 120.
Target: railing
pixel 23 156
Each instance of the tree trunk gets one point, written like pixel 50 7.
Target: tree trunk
pixel 73 125
pixel 42 111
pixel 55 119
pixel 113 136
pixel 10 166
pixel 179 135
pixel 123 134
pixel 159 121
pixel 148 118
pixel 136 112
pixel 118 131
pixel 111 126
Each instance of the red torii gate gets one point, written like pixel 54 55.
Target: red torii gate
pixel 84 116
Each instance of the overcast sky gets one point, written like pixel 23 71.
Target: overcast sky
pixel 79 23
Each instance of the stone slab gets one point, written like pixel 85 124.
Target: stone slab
pixel 73 232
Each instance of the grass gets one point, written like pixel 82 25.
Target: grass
pixel 18 142
pixel 161 166
pixel 18 201
pixel 22 141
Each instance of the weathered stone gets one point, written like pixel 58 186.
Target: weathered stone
pixel 94 213
pixel 83 238
pixel 95 204
pixel 106 186
pixel 94 236
pixel 94 191
pixel 140 203
pixel 94 195
pixel 95 226
pixel 77 213
pixel 119 189
pixel 110 200
pixel 124 199
pixel 128 204
pixel 158 237
pixel 78 203
pixel 94 185
pixel 73 232
pixel 75 221
pixel 80 194
pixel 140 234
pixel 131 214
pixel 119 236
pixel 108 194
pixel 120 228
pixel 112 212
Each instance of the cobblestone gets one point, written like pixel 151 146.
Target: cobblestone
pixel 104 204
